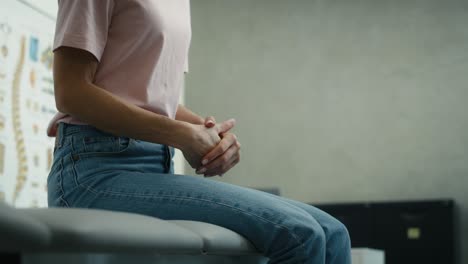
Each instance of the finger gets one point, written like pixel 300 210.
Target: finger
pixel 222 146
pixel 216 167
pixel 203 169
pixel 226 158
pixel 232 164
pixel 238 144
pixel 226 125
pixel 220 165
pixel 223 169
pixel 228 168
pixel 210 122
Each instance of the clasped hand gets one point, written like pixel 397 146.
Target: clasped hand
pixel 214 150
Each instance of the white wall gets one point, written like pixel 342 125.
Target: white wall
pixel 49 7
pixel 339 101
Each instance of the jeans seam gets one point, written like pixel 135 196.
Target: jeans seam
pixel 92 190
pixel 72 162
pixel 62 193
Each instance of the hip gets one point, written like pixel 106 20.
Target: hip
pixel 85 157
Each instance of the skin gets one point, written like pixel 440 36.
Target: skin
pixel 223 157
pixel 208 146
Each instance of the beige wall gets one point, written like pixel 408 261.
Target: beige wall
pixel 339 100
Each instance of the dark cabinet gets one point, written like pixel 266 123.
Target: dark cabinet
pixel 408 232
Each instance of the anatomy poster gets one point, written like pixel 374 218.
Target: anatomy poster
pixel 26 105
pixel 27 101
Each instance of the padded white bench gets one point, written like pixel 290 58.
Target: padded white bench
pixel 70 235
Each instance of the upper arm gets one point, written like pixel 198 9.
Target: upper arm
pixel 74 71
pixel 83 24
pixel 80 38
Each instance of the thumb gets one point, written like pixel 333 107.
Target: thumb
pixel 210 122
pixel 226 126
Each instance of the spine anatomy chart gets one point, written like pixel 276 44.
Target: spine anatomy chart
pixel 27 104
pixel 22 167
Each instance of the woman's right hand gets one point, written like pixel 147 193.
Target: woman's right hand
pixel 202 140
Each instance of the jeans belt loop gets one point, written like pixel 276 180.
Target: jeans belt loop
pixel 57 137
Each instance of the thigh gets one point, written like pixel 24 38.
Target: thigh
pixel 258 217
pixel 326 221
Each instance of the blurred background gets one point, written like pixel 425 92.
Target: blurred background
pixel 340 101
pixel 343 103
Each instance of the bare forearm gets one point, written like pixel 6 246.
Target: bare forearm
pixel 184 114
pixel 109 113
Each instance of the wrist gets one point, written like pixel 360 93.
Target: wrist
pixel 170 132
pixel 184 114
pixel 183 135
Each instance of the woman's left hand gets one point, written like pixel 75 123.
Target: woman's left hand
pixel 223 157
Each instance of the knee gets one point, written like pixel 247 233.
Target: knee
pixel 338 234
pixel 305 235
pixel 312 235
pixel 299 243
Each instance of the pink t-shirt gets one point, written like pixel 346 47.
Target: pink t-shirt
pixel 141 45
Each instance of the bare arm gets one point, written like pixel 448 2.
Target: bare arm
pixel 185 114
pixel 75 94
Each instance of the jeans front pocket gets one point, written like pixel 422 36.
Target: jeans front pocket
pixel 96 157
pixel 101 146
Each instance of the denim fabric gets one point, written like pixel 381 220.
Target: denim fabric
pixel 93 169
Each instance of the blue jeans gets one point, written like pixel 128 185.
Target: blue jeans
pixel 94 169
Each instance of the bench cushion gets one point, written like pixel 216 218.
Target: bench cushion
pixel 18 230
pixel 76 230
pixel 88 230
pixel 218 240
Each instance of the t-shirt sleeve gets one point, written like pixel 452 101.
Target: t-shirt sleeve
pixel 83 24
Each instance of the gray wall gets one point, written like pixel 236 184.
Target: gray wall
pixel 339 100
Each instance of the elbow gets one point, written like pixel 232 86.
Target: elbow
pixel 66 101
pixel 63 103
pixel 60 105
